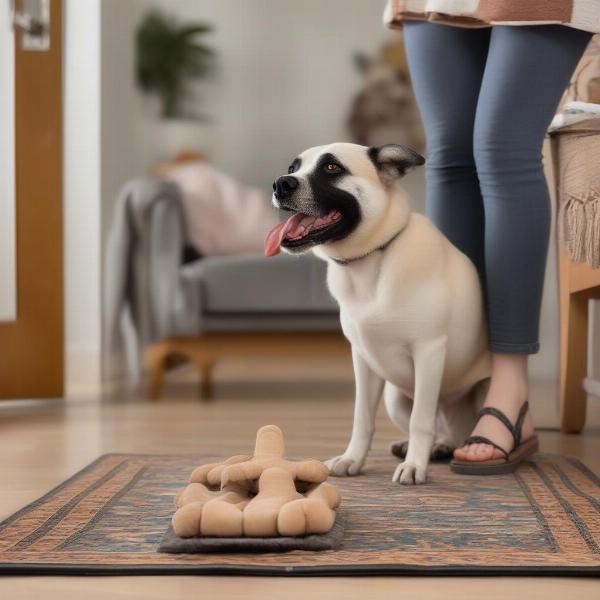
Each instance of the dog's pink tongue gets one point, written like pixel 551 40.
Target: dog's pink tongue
pixel 276 235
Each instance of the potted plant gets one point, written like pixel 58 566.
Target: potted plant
pixel 170 58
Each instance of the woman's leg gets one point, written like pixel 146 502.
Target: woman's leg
pixel 525 75
pixel 446 69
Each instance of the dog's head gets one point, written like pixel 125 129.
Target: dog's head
pixel 336 193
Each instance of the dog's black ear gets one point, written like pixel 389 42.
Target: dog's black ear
pixel 392 161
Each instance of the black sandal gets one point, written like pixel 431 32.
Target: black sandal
pixel 511 460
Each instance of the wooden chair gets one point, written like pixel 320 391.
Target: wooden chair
pixel 576 157
pixel 578 284
pixel 205 350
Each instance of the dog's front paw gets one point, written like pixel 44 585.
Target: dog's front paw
pixel 344 465
pixel 409 473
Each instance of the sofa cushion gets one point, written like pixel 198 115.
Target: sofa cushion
pixel 252 283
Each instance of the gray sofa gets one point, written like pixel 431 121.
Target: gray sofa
pixel 254 293
pixel 153 293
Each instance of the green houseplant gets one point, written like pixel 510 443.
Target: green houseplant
pixel 170 56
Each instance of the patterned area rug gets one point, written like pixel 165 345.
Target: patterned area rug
pixel 111 517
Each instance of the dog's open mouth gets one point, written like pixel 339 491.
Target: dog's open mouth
pixel 299 230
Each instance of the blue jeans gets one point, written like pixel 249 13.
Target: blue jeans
pixel 486 98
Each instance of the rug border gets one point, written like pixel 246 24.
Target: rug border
pixel 8 520
pixel 22 569
pixel 89 466
pixel 37 569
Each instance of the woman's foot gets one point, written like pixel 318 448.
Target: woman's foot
pixel 508 391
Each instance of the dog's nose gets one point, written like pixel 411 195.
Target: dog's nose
pixel 284 186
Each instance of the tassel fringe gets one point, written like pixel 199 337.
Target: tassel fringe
pixel 579 228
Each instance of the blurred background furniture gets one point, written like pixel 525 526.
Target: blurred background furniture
pixel 576 158
pixel 206 308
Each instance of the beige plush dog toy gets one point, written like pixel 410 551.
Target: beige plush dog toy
pixel 263 495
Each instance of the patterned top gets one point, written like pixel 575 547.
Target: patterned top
pixel 580 14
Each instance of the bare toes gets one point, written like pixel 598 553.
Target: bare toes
pixel 461 453
pixel 479 452
pixel 474 452
pixel 485 451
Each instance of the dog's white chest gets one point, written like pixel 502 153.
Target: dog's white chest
pixel 383 317
pixel 382 339
pixel 383 346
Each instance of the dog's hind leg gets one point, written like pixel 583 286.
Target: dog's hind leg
pixel 457 416
pixel 445 440
pixel 399 406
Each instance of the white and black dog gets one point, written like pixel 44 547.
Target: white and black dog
pixel 410 302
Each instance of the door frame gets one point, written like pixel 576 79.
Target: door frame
pixel 32 346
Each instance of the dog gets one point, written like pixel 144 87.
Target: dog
pixel 410 302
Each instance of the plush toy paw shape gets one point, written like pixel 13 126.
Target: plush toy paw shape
pixel 198 492
pixel 314 513
pixel 269 452
pixel 275 489
pixel 277 509
pixel 201 473
pixel 291 497
pixel 191 503
pixel 206 512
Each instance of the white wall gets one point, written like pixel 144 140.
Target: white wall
pixel 8 224
pixel 121 147
pixel 82 206
pixel 280 85
pixel 285 76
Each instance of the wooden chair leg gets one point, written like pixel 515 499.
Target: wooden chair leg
pixel 573 359
pixel 205 350
pixel 205 369
pixel 155 357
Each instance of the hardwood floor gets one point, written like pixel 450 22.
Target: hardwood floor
pixel 42 443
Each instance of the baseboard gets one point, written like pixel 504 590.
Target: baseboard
pixel 82 371
pixel 592 387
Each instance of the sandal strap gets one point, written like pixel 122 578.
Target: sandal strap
pixel 515 430
pixel 494 412
pixel 519 423
pixel 479 439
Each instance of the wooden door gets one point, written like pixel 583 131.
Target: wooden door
pixel 32 344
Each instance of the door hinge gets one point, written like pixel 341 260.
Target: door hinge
pixel 32 20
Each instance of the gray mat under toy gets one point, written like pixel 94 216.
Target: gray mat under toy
pixel 173 544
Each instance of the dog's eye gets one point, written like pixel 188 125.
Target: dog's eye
pixel 332 168
pixel 291 169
